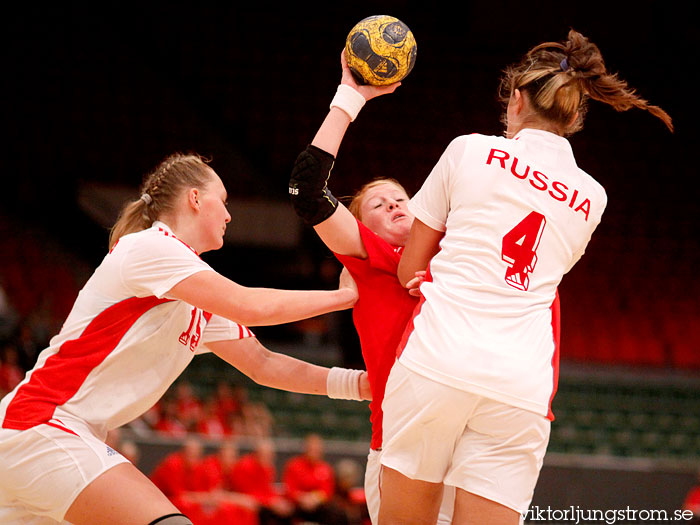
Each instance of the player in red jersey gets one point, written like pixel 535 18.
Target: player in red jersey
pixel 255 475
pixel 198 485
pixel 176 475
pixel 150 306
pixel 309 482
pixel 368 238
pixel 500 220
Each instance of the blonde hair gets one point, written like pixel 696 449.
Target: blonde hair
pixel 159 193
pixel 355 203
pixel 560 77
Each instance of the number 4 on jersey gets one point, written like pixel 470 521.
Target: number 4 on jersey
pixel 519 249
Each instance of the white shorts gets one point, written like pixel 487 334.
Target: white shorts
pixel 43 469
pixel 373 493
pixel 436 433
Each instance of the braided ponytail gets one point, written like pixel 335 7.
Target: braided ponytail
pixel 159 193
pixel 560 77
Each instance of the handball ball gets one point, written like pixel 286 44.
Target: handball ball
pixel 380 50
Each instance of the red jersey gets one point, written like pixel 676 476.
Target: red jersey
pixel 380 315
pixel 173 476
pixel 692 501
pixel 250 476
pixel 212 426
pixel 171 427
pixel 302 475
pixel 211 475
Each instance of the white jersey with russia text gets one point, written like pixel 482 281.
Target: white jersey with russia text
pixel 124 342
pixel 517 214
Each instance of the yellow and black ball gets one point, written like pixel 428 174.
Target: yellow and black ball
pixel 380 50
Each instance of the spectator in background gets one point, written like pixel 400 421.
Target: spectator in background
pixel 256 420
pixel 349 498
pixel 176 474
pixel 215 477
pixel 309 482
pixel 216 470
pixel 27 346
pixel 186 477
pixel 228 401
pixel 209 422
pixel 692 501
pixel 255 474
pixel 169 422
pixel 11 373
pixel 8 314
pixel 189 405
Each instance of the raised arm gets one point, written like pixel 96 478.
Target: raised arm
pixel 308 187
pixel 216 294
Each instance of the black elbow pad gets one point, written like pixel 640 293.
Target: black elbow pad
pixel 308 189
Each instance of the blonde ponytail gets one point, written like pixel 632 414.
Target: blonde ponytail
pixel 133 218
pixel 560 77
pixel 159 192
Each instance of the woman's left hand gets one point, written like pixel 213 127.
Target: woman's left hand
pixel 413 285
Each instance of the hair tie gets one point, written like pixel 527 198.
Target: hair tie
pixel 146 198
pixel 564 64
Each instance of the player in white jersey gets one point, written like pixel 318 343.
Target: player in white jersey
pixel 498 222
pixel 150 306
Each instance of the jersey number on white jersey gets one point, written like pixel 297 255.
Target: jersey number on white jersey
pixel 194 330
pixel 519 249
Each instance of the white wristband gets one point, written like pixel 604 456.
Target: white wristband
pixel 349 100
pixel 343 383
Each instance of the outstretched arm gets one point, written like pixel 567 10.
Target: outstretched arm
pixel 284 372
pixel 216 294
pixel 332 221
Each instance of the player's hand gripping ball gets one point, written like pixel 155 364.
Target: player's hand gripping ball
pixel 380 50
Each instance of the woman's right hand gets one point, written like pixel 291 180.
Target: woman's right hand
pixel 368 91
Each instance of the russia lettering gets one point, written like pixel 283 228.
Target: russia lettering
pixel 555 189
